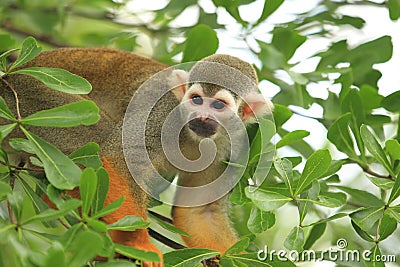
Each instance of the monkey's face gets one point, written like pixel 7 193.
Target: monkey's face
pixel 206 113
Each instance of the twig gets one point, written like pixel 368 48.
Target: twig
pixel 23 168
pixel 16 97
pixel 159 216
pixel 369 171
pixel 9 208
pixel 303 115
pixel 165 240
pixel 379 226
pixel 63 223
pixel 45 39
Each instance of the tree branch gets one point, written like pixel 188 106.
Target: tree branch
pixel 42 38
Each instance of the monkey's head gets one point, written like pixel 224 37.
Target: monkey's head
pixel 217 90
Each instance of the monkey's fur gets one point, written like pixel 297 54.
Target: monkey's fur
pixel 115 76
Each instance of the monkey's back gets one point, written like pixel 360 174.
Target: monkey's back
pixel 115 76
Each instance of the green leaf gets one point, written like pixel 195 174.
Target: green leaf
pixel 3 56
pixel 270 57
pixel 67 238
pixel 298 78
pixel 60 170
pixel 108 250
pixel 96 225
pixel 239 247
pixel 261 152
pixel 392 102
pixel 29 51
pixel 83 248
pixel 5 189
pixel 364 235
pixel 331 107
pixel 379 50
pixel 110 208
pixel 266 200
pixel 370 97
pixel 294 160
pixel 316 165
pixel 292 137
pixel 201 41
pixel 281 114
pixel 232 7
pixel 315 233
pixel 352 104
pixel 102 187
pixel 54 195
pixel 327 199
pixel 15 198
pixel 6 129
pixel 310 195
pixel 335 166
pixel 116 263
pixel 395 191
pixel 340 136
pixel 387 226
pixel 84 112
pixel 370 259
pixel 393 149
pixel 331 199
pixel 51 214
pixel 284 168
pixel 5 112
pixel 238 195
pixel 333 217
pixel 287 41
pixel 384 184
pixel 22 144
pixel 252 259
pixel 270 6
pixel 129 223
pixel 55 256
pixel 135 253
pixel 394 212
pixel 260 220
pixel 37 202
pixel 188 257
pixel 168 226
pixel 366 218
pixel 87 189
pixel 58 79
pixel 375 148
pixel 361 197
pixel 87 155
pixel 295 239
pixel 293 94
pixel 394 9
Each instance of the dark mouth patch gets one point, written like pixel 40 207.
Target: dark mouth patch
pixel 203 127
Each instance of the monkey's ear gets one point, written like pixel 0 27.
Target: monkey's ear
pixel 255 105
pixel 178 80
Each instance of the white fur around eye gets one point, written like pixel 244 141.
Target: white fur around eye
pixel 195 89
pixel 226 97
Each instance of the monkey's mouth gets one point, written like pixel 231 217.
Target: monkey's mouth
pixel 203 127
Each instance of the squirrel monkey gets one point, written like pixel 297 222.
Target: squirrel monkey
pixel 115 76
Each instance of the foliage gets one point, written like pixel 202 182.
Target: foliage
pixel 362 134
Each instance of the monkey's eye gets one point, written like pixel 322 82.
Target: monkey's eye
pixel 196 99
pixel 218 104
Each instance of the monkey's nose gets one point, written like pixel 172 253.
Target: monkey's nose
pixel 204 127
